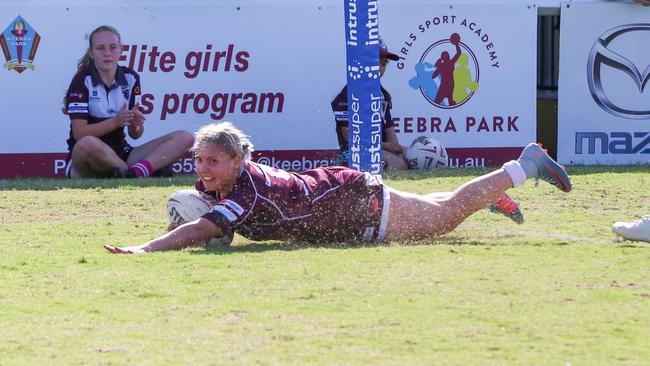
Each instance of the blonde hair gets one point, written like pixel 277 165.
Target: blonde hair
pixel 227 137
pixel 84 61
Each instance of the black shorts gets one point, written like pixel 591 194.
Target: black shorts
pixel 122 151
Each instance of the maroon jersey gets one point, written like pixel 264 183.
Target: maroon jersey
pixel 332 204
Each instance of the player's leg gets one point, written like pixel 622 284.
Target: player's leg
pixel 413 216
pixel 503 205
pixel 160 152
pixel 92 158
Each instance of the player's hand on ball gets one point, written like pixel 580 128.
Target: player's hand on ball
pixel 172 226
pixel 125 250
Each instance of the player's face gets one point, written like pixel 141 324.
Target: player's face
pixel 217 169
pixel 106 51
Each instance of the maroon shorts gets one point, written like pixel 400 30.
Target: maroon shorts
pixel 361 209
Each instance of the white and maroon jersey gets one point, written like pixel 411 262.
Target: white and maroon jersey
pixel 332 204
pixel 90 99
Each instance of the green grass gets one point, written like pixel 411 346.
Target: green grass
pixel 557 290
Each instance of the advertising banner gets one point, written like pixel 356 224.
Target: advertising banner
pixel 268 68
pixel 273 69
pixel 466 77
pixel 604 92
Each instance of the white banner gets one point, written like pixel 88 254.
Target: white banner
pixel 494 90
pixel 266 67
pixel 273 69
pixel 604 87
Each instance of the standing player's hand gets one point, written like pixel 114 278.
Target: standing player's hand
pixel 124 250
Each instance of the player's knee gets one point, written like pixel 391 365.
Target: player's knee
pixel 183 138
pixel 88 145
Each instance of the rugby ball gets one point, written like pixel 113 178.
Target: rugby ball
pixel 426 153
pixel 188 205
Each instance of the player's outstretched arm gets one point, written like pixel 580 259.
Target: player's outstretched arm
pixel 187 235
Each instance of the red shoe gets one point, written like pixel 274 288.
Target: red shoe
pixel 506 206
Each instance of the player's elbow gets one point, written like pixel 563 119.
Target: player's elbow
pixel 204 229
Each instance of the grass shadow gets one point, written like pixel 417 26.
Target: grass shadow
pixel 260 247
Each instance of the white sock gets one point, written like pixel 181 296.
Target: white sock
pixel 516 172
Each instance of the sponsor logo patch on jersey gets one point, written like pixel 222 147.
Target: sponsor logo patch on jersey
pixel 341 116
pixel 78 108
pixel 233 206
pixel 126 92
pixel 372 179
pixel 225 212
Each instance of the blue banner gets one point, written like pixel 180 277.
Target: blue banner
pixel 364 89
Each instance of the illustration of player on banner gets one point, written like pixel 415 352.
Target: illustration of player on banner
pixel 449 82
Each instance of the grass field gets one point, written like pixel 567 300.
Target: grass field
pixel 557 290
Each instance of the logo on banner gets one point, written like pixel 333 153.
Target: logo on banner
pixel 447 74
pixel 444 57
pixel 616 95
pixel 19 42
pixel 613 143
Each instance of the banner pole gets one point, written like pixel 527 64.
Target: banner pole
pixel 364 89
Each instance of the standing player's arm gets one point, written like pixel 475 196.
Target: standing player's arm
pixel 81 127
pixel 391 143
pixel 187 235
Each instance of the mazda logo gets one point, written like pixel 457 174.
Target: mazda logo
pixel 600 54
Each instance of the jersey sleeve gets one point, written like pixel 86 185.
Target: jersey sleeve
pixel 229 212
pixel 76 99
pixel 340 108
pixel 135 95
pixel 388 119
pixel 387 104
